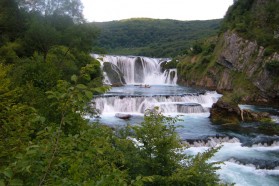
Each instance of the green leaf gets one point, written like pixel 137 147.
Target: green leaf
pixel 2 183
pixel 74 78
pixel 148 179
pixel 16 182
pixel 81 86
pixel 88 94
pixel 28 168
pixel 100 151
pixel 29 152
pixel 8 172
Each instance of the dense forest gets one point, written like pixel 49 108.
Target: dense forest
pixel 152 37
pixel 47 81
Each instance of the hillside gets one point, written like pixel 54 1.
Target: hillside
pixel 243 61
pixel 153 37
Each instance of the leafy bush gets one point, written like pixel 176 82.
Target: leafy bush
pixel 169 65
pixel 197 49
pixel 205 60
pixel 268 51
pixel 209 49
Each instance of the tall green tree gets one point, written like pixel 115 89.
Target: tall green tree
pixel 41 37
pixel 71 8
pixel 11 21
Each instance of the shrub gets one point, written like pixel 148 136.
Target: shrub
pixel 268 51
pixel 197 49
pixel 273 67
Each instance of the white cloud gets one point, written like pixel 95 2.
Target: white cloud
pixel 107 10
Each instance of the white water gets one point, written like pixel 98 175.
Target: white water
pixel 241 173
pixel 167 104
pixel 141 70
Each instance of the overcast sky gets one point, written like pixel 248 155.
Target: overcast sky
pixel 108 10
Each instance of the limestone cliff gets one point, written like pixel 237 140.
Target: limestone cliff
pixel 235 64
pixel 245 60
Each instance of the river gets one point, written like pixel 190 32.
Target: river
pixel 250 158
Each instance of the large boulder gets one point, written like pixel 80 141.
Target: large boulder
pixel 223 113
pixel 227 113
pixel 114 74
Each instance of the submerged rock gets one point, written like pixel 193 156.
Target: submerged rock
pixel 224 113
pixel 123 116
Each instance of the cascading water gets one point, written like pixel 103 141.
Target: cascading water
pixel 141 70
pixel 191 103
pixel 249 158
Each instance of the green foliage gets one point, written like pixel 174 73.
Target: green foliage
pixel 151 37
pixel 63 60
pixel 268 51
pixel 269 127
pixel 255 21
pixel 197 170
pixel 159 139
pixel 38 155
pixel 16 123
pixel 11 21
pixel 72 8
pixel 39 26
pixel 8 52
pixel 41 37
pixel 156 154
pixel 81 36
pixel 197 49
pixel 171 64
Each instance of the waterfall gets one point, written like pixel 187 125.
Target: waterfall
pixel 192 103
pixel 171 76
pixel 249 159
pixel 141 70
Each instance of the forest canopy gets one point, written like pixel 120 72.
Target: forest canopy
pixel 153 37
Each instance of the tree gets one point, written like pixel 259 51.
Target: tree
pixel 71 8
pixel 159 139
pixel 157 156
pixel 41 37
pixel 80 36
pixel 11 21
